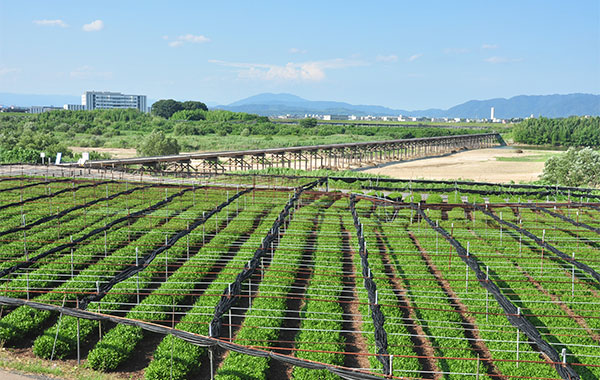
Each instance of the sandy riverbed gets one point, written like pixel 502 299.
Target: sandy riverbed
pixel 477 165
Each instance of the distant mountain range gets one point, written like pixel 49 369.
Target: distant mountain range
pixel 519 106
pixel 268 104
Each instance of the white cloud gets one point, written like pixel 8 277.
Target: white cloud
pixel 489 46
pixel 298 51
pixel 88 72
pixel 8 70
pixel 387 58
pixel 414 57
pixel 165 38
pixel 455 51
pixel 60 23
pixel 302 71
pixel 93 26
pixel 191 38
pixel 194 39
pixel 496 59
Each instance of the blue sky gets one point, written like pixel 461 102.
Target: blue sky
pixel 400 54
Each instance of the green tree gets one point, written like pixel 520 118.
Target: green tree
pixel 191 105
pixel 166 107
pixel 571 131
pixel 157 144
pixel 573 168
pixel 190 115
pixel 308 123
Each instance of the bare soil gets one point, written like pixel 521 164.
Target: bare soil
pixel 114 152
pixel 477 165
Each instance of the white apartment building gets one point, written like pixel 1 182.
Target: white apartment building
pixel 105 100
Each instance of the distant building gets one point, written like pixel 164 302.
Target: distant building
pixel 14 109
pixel 40 109
pixel 93 100
pixel 74 107
pixel 492 114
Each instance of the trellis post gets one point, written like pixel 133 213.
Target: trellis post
pixel 188 240
pixel 72 267
pixel 573 277
pixel 487 293
pixel 78 342
pixel 467 270
pixel 500 229
pixel 518 337
pixel 138 275
pixel 542 257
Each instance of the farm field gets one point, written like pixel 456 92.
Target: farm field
pixel 360 278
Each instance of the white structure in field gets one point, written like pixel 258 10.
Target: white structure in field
pixel 93 100
pixel 492 114
pixel 40 109
pixel 74 107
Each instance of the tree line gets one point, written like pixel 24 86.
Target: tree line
pixel 572 131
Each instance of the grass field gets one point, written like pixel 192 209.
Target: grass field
pixel 315 274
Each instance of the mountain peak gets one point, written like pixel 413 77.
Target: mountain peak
pixel 269 98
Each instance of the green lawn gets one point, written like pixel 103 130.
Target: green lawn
pixel 533 158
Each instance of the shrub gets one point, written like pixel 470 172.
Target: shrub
pixel 573 168
pixel 157 144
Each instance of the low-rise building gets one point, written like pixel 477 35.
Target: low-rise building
pixel 74 107
pixel 40 109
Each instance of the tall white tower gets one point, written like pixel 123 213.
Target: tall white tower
pixel 492 113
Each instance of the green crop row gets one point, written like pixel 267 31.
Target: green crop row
pixel 322 312
pixel 399 342
pixel 52 204
pixel 53 268
pixel 24 321
pixel 441 322
pixel 550 319
pixel 56 232
pixel 179 359
pixel 492 325
pixel 113 350
pixel 126 292
pixel 264 319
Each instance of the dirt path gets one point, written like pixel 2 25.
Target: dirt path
pixel 477 165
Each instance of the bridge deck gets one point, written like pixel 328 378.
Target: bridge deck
pixel 272 151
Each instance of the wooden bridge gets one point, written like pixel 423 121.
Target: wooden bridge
pixel 332 156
